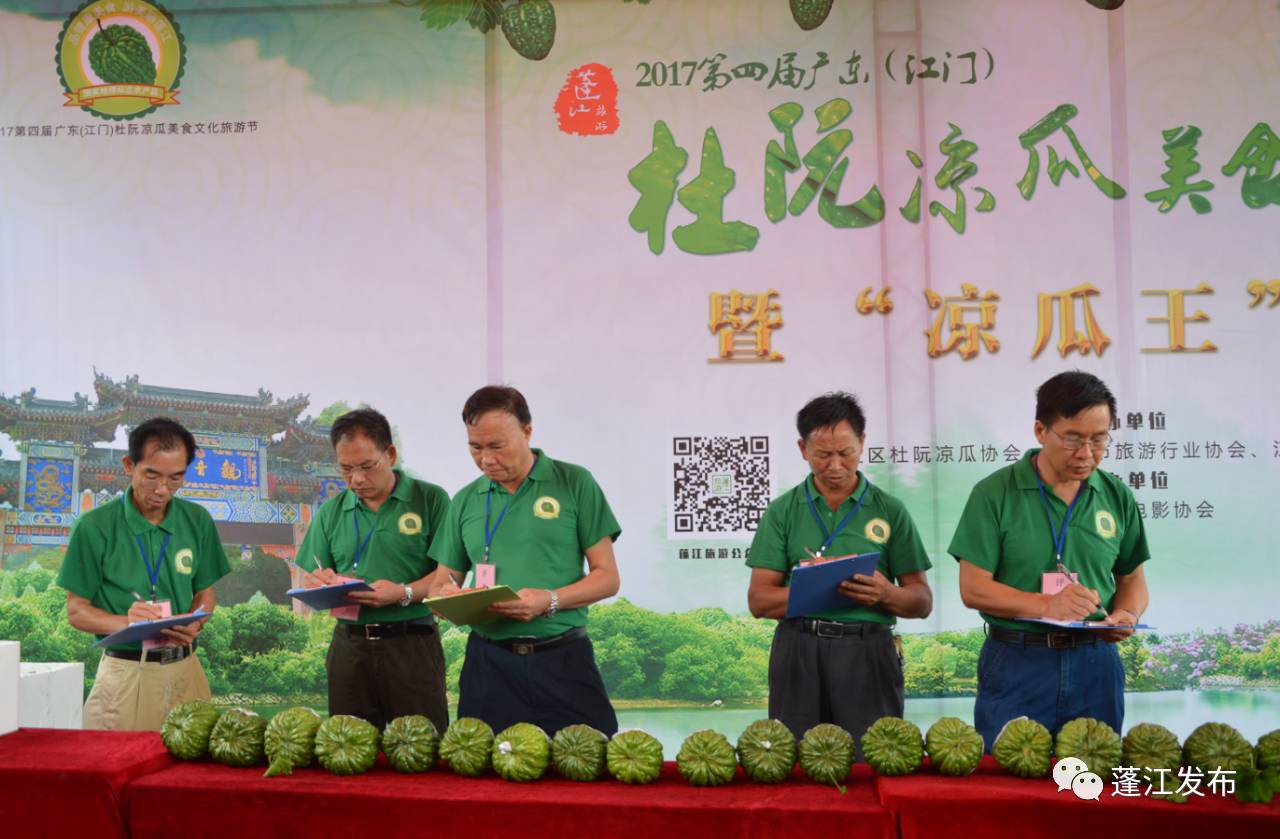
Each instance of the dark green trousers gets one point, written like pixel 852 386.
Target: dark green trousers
pixel 379 680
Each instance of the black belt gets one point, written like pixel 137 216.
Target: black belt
pixel 159 655
pixel 379 631
pixel 527 645
pixel 1054 640
pixel 838 629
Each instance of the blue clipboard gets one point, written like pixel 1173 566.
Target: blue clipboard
pixel 813 588
pixel 328 597
pixel 1082 624
pixel 151 630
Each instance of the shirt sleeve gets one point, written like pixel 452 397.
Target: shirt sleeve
pixel 1133 547
pixel 769 545
pixel 906 551
pixel 315 552
pixel 595 517
pixel 447 548
pixel 81 572
pixel 977 536
pixel 437 510
pixel 212 565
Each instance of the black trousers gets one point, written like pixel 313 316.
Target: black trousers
pixel 387 678
pixel 850 681
pixel 551 689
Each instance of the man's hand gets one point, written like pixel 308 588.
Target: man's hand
pixel 1073 603
pixel 385 593
pixel 184 634
pixel 1122 617
pixel 143 610
pixel 532 602
pixel 867 591
pixel 320 577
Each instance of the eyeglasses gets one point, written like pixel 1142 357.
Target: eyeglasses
pixel 1074 442
pixel 152 481
pixel 349 472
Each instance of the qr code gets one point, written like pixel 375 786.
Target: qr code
pixel 721 484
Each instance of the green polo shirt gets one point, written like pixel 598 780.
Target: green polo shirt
pixel 398 535
pixel 1004 530
pixel 557 512
pixel 105 564
pixel 881 524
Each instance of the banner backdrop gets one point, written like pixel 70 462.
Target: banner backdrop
pixel 670 232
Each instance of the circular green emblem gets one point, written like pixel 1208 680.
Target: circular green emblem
pixel 120 59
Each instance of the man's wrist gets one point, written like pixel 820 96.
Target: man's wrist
pixel 554 605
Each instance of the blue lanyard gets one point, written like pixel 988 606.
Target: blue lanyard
pixel 490 533
pixel 360 546
pixel 1059 538
pixel 830 536
pixel 153 571
pixel 488 508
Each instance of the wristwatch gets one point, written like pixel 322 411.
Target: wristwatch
pixel 408 596
pixel 555 604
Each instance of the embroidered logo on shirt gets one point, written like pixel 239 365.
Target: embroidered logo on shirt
pixel 411 524
pixel 877 530
pixel 1105 524
pixel 546 507
pixel 184 561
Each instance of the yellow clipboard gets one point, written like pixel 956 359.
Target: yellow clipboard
pixel 470 607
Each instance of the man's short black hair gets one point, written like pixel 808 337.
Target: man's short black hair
pixel 496 398
pixel 364 421
pixel 830 409
pixel 1067 394
pixel 168 434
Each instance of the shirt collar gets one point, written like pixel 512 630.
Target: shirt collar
pixel 541 471
pixel 817 496
pixel 138 523
pixel 402 492
pixel 1024 474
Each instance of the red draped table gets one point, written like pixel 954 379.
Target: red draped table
pixel 992 803
pixel 71 783
pixel 202 799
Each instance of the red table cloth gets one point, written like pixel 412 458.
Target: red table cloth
pixel 992 804
pixel 70 783
pixel 203 799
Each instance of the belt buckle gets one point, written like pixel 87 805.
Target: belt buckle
pixel 168 655
pixel 370 632
pixel 522 647
pixel 1060 640
pixel 828 629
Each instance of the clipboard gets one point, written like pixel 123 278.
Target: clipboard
pixel 470 607
pixel 151 630
pixel 1083 624
pixel 813 588
pixel 329 597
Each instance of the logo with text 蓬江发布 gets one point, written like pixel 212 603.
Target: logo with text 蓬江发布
pixel 120 59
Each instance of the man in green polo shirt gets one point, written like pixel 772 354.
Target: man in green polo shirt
pixel 840 666
pixel 528 522
pixel 126 561
pixel 386 660
pixel 1052 536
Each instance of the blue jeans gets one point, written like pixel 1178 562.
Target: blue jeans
pixel 1051 686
